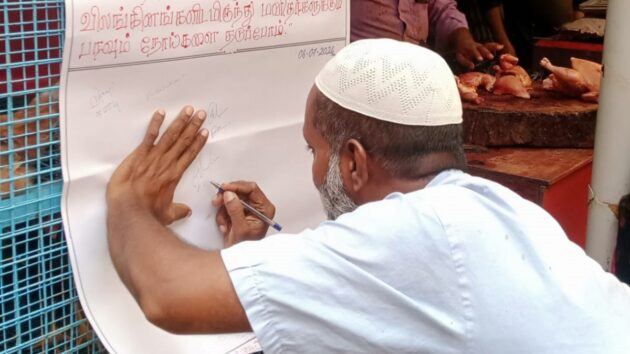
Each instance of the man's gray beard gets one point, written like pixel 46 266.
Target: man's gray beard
pixel 334 197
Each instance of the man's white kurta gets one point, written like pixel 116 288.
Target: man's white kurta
pixel 462 266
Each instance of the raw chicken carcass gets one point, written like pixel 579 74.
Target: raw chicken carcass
pixel 591 71
pixel 511 79
pixel 510 85
pixel 468 83
pixel 580 81
pixel 467 93
pixel 475 79
pixel 508 65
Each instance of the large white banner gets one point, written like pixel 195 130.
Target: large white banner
pixel 249 64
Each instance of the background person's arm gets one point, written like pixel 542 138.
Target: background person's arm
pixel 179 287
pixel 494 17
pixel 444 19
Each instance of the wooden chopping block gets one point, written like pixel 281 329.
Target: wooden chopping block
pixel 545 120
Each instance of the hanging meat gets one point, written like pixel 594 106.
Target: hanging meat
pixel 582 80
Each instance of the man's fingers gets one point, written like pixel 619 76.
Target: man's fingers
pixel 254 195
pixel 223 221
pixel 487 54
pixel 192 151
pixel 225 227
pixel 241 187
pixel 235 211
pixel 234 224
pixel 222 218
pixel 474 54
pixel 187 137
pixel 493 46
pixel 464 61
pixel 217 200
pixel 153 131
pixel 170 136
pixel 177 211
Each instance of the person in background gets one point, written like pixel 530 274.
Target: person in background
pixel 437 23
pixel 517 23
pixel 477 24
pixel 417 256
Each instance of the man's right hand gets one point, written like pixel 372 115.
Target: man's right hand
pixel 234 222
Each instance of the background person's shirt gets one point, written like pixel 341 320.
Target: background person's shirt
pixel 408 20
pixel 461 266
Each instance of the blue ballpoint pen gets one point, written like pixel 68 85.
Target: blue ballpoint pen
pixel 252 210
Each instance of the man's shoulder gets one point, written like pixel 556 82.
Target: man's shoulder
pixel 455 186
pixel 451 195
pixel 473 203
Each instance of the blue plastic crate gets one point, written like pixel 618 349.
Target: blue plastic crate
pixel 39 307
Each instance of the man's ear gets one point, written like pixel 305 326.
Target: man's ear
pixel 354 166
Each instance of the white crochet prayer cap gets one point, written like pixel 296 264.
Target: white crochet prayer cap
pixel 393 81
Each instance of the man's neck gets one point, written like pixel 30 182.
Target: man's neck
pixel 381 190
pixel 383 184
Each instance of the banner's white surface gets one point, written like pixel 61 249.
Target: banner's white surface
pixel 248 64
